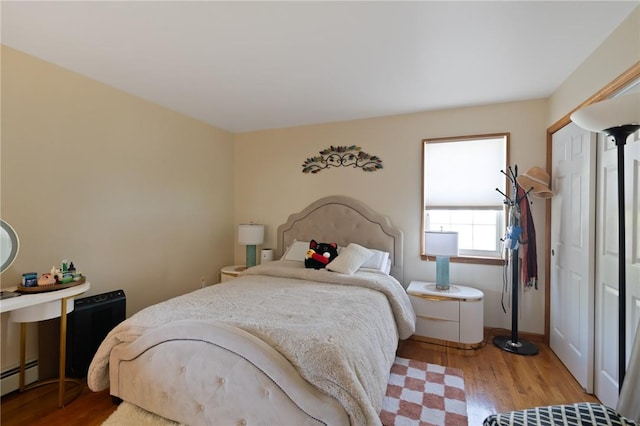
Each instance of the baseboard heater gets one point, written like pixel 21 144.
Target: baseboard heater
pixel 10 378
pixel 91 320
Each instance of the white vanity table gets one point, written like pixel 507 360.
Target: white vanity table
pixel 36 307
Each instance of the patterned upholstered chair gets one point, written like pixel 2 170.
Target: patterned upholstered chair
pixel 580 414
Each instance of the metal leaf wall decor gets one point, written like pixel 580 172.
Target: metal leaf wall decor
pixel 342 156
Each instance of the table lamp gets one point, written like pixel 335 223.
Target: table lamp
pixel 442 245
pixel 251 235
pixel 617 117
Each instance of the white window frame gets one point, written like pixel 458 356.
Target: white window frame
pixel 498 225
pixel 465 254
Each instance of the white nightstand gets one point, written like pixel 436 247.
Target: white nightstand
pixel 454 316
pixel 230 272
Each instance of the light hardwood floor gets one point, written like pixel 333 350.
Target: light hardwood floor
pixel 495 381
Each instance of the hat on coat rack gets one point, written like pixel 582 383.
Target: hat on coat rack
pixel 537 179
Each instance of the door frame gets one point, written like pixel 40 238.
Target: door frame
pixel 614 86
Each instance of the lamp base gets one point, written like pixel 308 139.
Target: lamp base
pixel 442 273
pixel 251 256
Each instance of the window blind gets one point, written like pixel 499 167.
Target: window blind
pixel 465 173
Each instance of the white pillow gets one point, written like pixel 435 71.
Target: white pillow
pixel 385 270
pixel 350 259
pixel 377 261
pixel 387 267
pixel 296 251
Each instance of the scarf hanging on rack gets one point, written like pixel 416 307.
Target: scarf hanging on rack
pixel 528 249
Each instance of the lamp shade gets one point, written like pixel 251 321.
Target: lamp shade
pixel 604 115
pixel 250 234
pixel 441 243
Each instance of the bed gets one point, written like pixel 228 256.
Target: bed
pixel 280 344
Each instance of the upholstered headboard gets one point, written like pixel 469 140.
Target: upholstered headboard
pixel 345 220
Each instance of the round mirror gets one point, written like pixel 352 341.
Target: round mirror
pixel 9 245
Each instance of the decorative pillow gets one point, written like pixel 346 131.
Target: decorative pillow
pixel 320 254
pixel 296 251
pixel 377 261
pixel 351 258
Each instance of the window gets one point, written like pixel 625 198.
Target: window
pixel 460 178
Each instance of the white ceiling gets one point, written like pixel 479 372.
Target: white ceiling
pixel 245 66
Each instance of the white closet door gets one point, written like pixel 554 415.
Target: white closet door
pixel 572 251
pixel 632 198
pixel 606 339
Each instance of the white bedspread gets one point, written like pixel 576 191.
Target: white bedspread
pixel 339 331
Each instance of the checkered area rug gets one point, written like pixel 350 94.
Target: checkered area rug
pixel 424 394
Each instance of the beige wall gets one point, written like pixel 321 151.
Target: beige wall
pixel 270 184
pixel 616 54
pixel 139 197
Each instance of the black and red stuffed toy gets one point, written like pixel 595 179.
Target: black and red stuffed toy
pixel 320 254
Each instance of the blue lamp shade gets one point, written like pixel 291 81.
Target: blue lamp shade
pixel 442 245
pixel 251 235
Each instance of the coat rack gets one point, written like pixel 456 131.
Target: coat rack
pixel 512 241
